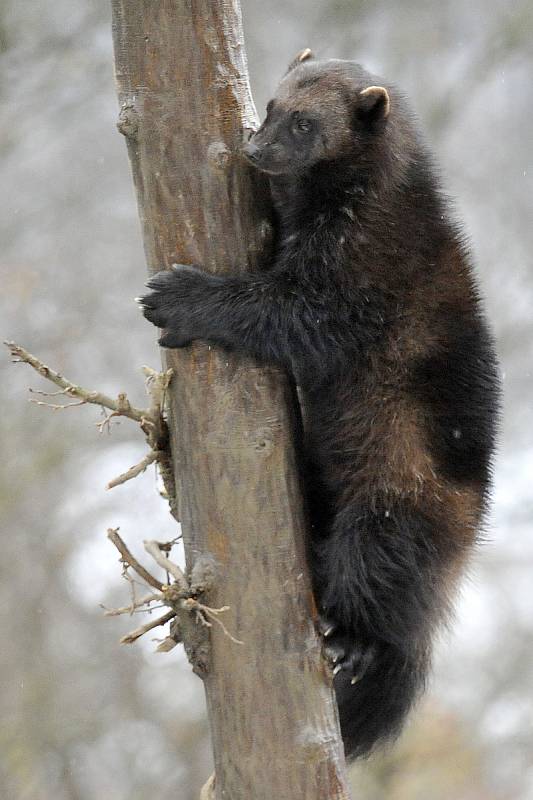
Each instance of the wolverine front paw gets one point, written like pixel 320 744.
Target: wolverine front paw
pixel 174 304
pixel 344 652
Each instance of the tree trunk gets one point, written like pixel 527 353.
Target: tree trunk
pixel 185 101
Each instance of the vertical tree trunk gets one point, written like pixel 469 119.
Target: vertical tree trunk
pixel 185 100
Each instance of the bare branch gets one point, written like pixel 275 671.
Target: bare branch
pixel 105 423
pixel 174 637
pixel 129 638
pixel 120 407
pixel 203 612
pixel 48 394
pixel 57 406
pixel 132 472
pixel 208 789
pixel 166 645
pixel 151 420
pixel 138 604
pixel 131 561
pixel 131 581
pixel 176 596
pixel 153 548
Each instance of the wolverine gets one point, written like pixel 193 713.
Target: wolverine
pixel 371 305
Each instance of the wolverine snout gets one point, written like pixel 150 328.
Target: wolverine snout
pixel 252 152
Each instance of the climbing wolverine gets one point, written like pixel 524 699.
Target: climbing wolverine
pixel 371 305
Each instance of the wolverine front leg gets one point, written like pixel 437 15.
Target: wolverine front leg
pixel 260 315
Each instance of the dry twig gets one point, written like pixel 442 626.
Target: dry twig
pixel 132 472
pixel 153 548
pixel 208 789
pixel 205 613
pixel 129 638
pixel 166 645
pixel 151 420
pixel 134 606
pixel 120 407
pixel 177 595
pixel 131 561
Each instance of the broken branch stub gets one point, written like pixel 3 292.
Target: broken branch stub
pixel 191 619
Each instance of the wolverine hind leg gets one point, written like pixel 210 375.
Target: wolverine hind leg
pixel 377 577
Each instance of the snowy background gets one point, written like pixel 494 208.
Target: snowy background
pixel 82 718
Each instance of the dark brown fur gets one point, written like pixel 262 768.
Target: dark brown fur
pixel 371 305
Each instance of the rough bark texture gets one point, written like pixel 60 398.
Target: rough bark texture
pixel 185 100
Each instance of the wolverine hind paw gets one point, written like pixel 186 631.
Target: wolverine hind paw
pixel 345 653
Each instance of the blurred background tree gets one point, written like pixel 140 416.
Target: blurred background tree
pixel 81 718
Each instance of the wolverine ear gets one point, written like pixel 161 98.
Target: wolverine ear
pixel 373 105
pixel 303 55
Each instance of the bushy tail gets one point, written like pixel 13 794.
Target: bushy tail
pixel 372 710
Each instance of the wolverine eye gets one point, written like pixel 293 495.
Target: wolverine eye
pixel 304 125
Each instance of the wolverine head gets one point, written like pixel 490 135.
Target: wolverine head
pixel 322 111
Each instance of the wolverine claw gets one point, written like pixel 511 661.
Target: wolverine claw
pixel 325 626
pixel 334 654
pixel 345 652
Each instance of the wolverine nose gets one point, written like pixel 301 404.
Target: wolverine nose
pixel 252 151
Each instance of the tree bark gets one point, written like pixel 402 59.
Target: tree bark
pixel 185 102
